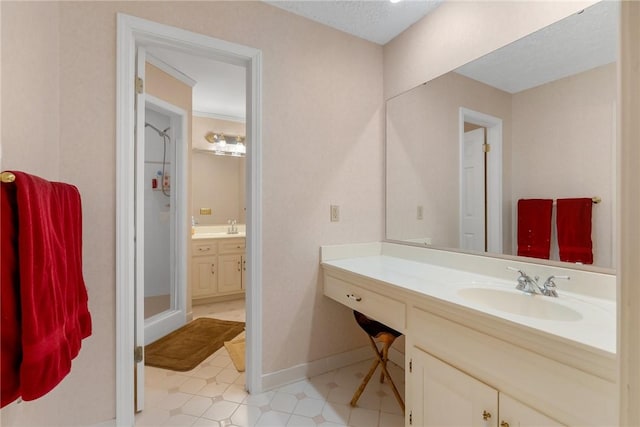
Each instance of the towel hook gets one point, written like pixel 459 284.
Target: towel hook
pixel 7 177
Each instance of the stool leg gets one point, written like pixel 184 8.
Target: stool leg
pixel 385 357
pixel 383 365
pixel 381 360
pixel 366 379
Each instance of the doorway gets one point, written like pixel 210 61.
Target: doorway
pixel 133 33
pixel 480 169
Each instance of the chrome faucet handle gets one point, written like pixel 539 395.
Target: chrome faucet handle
pixel 524 281
pixel 549 286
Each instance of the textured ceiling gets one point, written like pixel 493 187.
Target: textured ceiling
pixel 378 21
pixel 578 43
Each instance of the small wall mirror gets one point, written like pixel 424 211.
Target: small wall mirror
pixel 544 112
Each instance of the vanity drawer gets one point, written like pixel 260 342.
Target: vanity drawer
pixel 381 308
pixel 231 246
pixel 205 248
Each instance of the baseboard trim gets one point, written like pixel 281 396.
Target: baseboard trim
pixel 317 367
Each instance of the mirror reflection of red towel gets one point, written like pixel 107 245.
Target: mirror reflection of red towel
pixel 46 298
pixel 574 230
pixel 534 227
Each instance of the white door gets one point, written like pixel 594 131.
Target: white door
pixel 139 240
pixel 444 396
pixel 472 208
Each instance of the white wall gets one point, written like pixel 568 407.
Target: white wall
pixel 218 182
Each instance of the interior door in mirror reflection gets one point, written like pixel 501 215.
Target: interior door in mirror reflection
pixel 472 235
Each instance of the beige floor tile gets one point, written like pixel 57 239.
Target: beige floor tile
pixel 213 394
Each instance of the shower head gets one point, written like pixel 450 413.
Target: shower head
pixel 162 133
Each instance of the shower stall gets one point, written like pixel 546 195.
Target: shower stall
pixel 158 170
pixel 164 204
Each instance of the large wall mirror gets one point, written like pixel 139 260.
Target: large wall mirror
pixel 533 120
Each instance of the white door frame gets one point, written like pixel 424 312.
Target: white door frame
pixel 494 173
pixel 131 32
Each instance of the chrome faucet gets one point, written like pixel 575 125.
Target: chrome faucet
pixel 233 228
pixel 530 285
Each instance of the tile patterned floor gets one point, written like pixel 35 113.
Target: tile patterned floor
pixel 213 395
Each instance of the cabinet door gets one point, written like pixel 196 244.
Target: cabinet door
pixel 230 279
pixel 204 276
pixel 515 414
pixel 444 396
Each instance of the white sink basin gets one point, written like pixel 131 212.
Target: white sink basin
pixel 520 303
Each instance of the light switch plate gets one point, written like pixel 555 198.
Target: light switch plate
pixel 335 213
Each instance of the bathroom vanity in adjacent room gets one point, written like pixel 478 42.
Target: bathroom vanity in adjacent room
pixel 478 351
pixel 218 264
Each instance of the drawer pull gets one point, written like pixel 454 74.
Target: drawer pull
pixel 203 249
pixel 486 415
pixel 354 297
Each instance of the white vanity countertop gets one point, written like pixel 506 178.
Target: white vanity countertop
pixel 217 232
pixel 198 236
pixel 580 318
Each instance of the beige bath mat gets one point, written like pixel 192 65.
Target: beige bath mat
pixel 236 349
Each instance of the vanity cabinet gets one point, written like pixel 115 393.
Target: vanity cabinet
pixel 516 414
pixel 217 269
pixel 442 395
pixel 463 364
pixel 231 273
pixel 232 266
pixel 204 264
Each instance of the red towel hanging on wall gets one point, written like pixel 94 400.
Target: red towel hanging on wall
pixel 10 330
pixel 573 218
pixel 534 227
pixel 50 295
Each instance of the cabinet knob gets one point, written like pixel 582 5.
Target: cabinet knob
pixel 504 424
pixel 486 415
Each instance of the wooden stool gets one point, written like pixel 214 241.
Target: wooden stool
pixel 386 335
